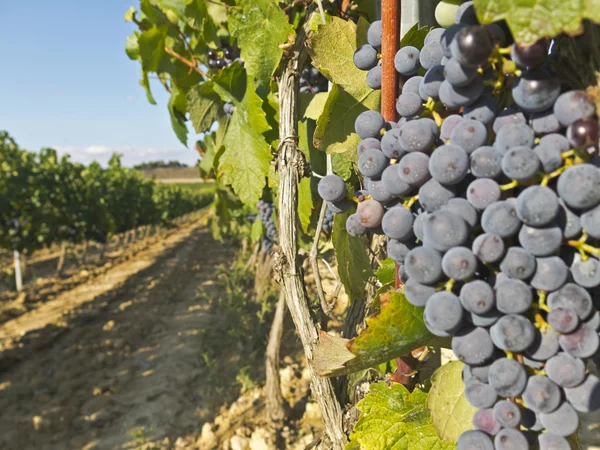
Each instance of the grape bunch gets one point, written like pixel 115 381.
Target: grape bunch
pixel 488 190
pixel 328 221
pixel 367 57
pixel 265 212
pixel 312 81
pixel 218 59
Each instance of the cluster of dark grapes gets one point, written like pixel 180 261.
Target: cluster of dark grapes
pixel 368 57
pixel 265 212
pixel 217 59
pixel 492 208
pixel 328 221
pixel 312 81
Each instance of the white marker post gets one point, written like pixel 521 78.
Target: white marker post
pixel 18 276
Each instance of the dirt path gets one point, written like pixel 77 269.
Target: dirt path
pixel 116 361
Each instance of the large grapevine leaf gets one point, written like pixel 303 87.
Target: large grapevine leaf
pixel 530 20
pixel 260 27
pixel 177 107
pixel 395 331
pixel 246 160
pixel 204 106
pixel 332 50
pixel 354 267
pixel 152 48
pixel 392 418
pixel 450 412
pixel 335 127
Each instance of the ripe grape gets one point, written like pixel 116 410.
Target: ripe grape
pixel 413 169
pixel 518 263
pixel 544 122
pixel 514 135
pixel 486 162
pixel 563 421
pixel 479 395
pixel 541 394
pixel 372 163
pixel 332 188
pixel 474 440
pixel 520 163
pixel 574 297
pixel 454 97
pixel 537 206
pixel 501 218
pixel 482 192
pixel 508 377
pixel 390 144
pixel 583 133
pixel 484 110
pixel 374 34
pixel 477 296
pixel 433 195
pixel 473 346
pixel 449 164
pixel 509 438
pixel 374 78
pixel 459 263
pixel 572 106
pixel 549 156
pixel 406 60
pixel 393 183
pixel 397 223
pixel 513 333
pixel 484 420
pixel 582 343
pixel 563 320
pixel 586 396
pixel 368 143
pixel 586 273
pixel 545 345
pixel 579 186
pixel 365 57
pixel 507 414
pixel 416 293
pixel 513 296
pixel 462 208
pixel 511 115
pixel 354 226
pixel 469 134
pixel 370 213
pixel 530 55
pixel 472 46
pixel 412 85
pixel 466 15
pixel 377 190
pixel 565 370
pixel 448 126
pixel 369 124
pixel 488 247
pixel 536 91
pixel 443 312
pixel 550 274
pixel 424 265
pixel 431 55
pixel 541 241
pixel 444 230
pixel 431 83
pixel 550 441
pixel 590 221
pixel 458 75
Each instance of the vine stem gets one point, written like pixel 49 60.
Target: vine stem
pixel 292 166
pixel 186 61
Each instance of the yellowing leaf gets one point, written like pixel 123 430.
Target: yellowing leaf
pixel 392 418
pixel 530 20
pixel 450 412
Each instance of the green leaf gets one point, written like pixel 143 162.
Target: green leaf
pixel 305 203
pixel 132 48
pixel 230 83
pixel 260 27
pixel 369 8
pixel 204 106
pixel 245 163
pixel 335 127
pixel 530 20
pixel 198 18
pixel 130 14
pixel 152 47
pixel 145 83
pixel 316 105
pixel 415 36
pixel 217 11
pixel 354 267
pixel 450 412
pixel 392 418
pixel 257 230
pixel 386 273
pixel 395 331
pixel 341 163
pixel 177 107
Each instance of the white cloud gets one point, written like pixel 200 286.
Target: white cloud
pixel 131 155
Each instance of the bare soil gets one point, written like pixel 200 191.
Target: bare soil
pixel 117 361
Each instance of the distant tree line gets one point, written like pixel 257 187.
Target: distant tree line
pixel 160 165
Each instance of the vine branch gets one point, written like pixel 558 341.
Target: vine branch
pixel 187 62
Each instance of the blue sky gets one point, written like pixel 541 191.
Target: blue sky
pixel 67 83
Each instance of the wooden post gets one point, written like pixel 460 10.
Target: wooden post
pixel 18 275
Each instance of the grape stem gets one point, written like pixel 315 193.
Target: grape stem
pixel 584 249
pixel 540 323
pixel 450 284
pixel 409 202
pixel 507 187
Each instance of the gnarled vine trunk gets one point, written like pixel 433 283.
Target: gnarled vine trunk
pixel 291 166
pixel 276 404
